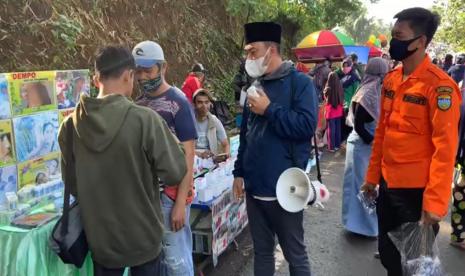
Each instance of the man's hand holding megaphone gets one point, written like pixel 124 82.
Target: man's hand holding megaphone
pixel 238 188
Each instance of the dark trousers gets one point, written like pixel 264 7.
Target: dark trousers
pixel 267 219
pixel 334 133
pixel 395 207
pixel 345 129
pixel 151 268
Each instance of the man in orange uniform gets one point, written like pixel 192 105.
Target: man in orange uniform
pixel 416 139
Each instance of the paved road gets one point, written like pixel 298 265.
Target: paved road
pixel 333 252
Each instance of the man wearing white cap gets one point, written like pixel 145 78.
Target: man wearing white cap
pixel 171 104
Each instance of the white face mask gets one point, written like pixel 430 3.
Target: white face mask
pixel 255 67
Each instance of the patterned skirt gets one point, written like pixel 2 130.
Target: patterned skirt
pixel 458 208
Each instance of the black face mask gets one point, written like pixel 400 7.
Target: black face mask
pixel 398 49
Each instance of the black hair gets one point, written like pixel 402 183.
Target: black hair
pixel 421 21
pixel 43 93
pixel 112 61
pixel 448 58
pixel 202 92
pixel 354 57
pixel 460 59
pixel 44 127
pixel 3 135
pixel 40 174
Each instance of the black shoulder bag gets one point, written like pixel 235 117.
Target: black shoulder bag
pixel 68 239
pixel 317 157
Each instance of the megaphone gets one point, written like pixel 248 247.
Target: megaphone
pixel 295 190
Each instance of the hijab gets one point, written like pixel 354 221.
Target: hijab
pixel 351 77
pixel 369 92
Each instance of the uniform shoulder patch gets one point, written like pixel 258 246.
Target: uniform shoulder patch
pixel 444 89
pixel 444 102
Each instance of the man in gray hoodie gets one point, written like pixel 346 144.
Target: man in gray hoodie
pixel 121 151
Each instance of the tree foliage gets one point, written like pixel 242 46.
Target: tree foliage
pixel 451 31
pixel 297 17
pixel 333 13
pixel 53 35
pixel 360 26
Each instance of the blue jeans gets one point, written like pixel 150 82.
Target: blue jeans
pixel 177 246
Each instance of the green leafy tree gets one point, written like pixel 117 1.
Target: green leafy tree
pixel 335 12
pixel 297 17
pixel 451 31
pixel 360 26
pixel 294 16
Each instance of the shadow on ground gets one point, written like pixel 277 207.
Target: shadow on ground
pixel 332 251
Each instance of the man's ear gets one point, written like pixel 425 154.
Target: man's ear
pixel 422 41
pixel 273 50
pixel 164 67
pixel 128 76
pixel 96 79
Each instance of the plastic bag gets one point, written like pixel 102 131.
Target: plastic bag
pixel 418 249
pixel 368 201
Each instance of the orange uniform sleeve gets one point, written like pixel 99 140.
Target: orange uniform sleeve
pixel 374 168
pixel 444 101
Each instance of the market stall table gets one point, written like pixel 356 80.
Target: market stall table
pixel 25 252
pixel 216 218
pixel 216 224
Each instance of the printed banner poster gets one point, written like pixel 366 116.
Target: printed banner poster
pixel 5 108
pixel 8 182
pixel 69 87
pixel 31 92
pixel 7 153
pixel 63 114
pixel 39 171
pixel 36 135
pixel 229 218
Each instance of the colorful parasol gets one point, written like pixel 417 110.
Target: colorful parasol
pixel 325 38
pixel 323 45
pixel 375 52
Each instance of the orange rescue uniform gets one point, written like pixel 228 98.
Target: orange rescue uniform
pixel 417 134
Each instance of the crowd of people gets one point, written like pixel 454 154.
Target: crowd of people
pixel 399 124
pixel 414 105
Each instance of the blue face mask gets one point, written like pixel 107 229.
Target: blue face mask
pixel 149 86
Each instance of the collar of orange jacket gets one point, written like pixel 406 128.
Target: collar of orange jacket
pixel 421 68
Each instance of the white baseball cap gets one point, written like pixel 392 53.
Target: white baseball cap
pixel 147 54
